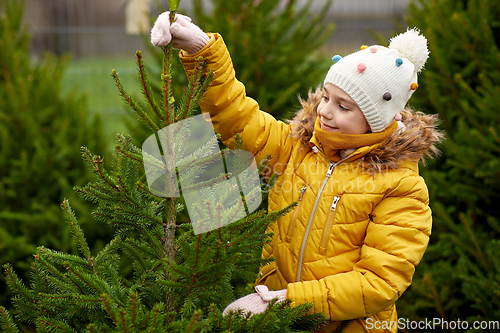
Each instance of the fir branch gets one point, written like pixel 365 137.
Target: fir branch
pixel 479 253
pixel 264 164
pixel 63 258
pixel 138 216
pixel 203 160
pixel 121 225
pixel 64 298
pixel 207 78
pixel 135 157
pixel 36 276
pixel 157 312
pixel 233 218
pixel 247 221
pixel 122 186
pixel 94 193
pixel 205 184
pixel 45 324
pixel 118 190
pixel 108 254
pixel 146 88
pixel 269 185
pixel 209 280
pixel 133 305
pixel 194 320
pixel 144 189
pixel 262 319
pixel 58 280
pixel 198 86
pixel 185 248
pixel 86 279
pixel 76 284
pixel 435 295
pixel 105 215
pixel 104 176
pixel 243 324
pixel 94 162
pixel 178 270
pixel 166 80
pixel 187 100
pixel 125 194
pixel 195 267
pixel 194 165
pixel 136 252
pixel 215 315
pixel 108 308
pixel 77 232
pixel 6 322
pixel 130 102
pixel 124 324
pixel 16 285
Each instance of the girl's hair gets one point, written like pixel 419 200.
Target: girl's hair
pixel 303 122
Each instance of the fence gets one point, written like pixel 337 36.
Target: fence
pixel 95 27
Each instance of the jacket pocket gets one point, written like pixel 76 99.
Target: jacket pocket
pixel 330 218
pixel 295 215
pixel 265 272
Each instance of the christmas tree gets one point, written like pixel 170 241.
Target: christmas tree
pixel 182 272
pixel 41 130
pixel 461 82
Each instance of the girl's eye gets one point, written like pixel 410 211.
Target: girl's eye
pixel 343 107
pixel 324 98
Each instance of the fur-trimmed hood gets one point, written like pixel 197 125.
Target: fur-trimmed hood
pixel 418 141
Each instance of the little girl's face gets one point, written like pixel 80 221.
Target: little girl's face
pixel 339 113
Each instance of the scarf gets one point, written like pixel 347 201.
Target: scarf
pixel 332 143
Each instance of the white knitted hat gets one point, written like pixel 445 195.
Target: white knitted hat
pixel 379 79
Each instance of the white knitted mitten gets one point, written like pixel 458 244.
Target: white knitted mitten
pixel 256 303
pixel 183 33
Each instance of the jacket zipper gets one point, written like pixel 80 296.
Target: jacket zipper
pixel 328 225
pixel 295 215
pixel 301 257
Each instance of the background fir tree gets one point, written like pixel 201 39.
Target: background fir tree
pixel 460 273
pixel 40 134
pixel 181 281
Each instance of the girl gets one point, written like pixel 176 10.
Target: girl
pixel 363 221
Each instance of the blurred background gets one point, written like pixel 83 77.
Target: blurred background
pixel 101 35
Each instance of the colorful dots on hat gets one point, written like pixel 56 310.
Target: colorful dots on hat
pixel 336 58
pixel 363 47
pixel 387 96
pixel 414 86
pixel 373 49
pixel 361 67
pixel 399 62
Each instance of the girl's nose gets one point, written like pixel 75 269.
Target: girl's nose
pixel 325 112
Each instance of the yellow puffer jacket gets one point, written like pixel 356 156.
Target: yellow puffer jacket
pixel 361 225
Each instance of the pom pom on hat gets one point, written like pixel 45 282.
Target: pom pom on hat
pixel 336 58
pixel 413 46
